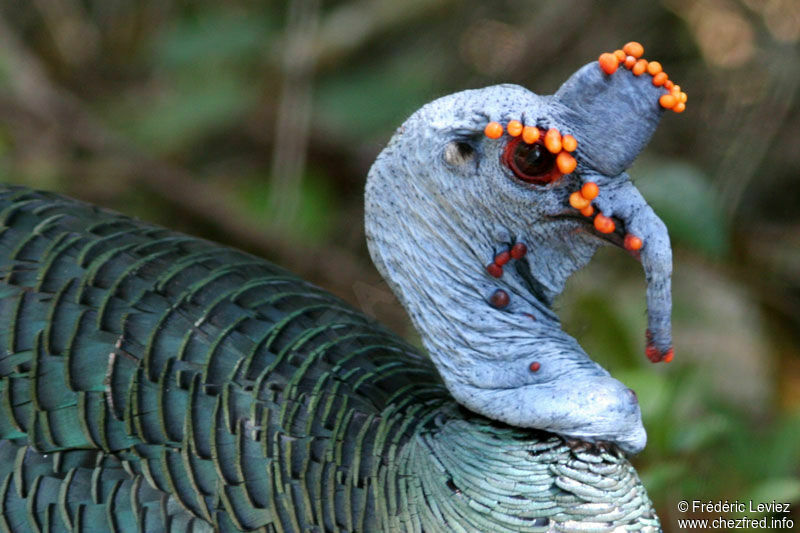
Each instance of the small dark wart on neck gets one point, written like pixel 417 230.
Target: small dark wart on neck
pixel 499 299
pixel 519 250
pixel 633 397
pixel 502 258
pixel 494 270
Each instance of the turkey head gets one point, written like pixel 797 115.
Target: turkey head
pixel 486 201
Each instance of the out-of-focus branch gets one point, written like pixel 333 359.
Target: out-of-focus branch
pixel 294 110
pixel 351 25
pixel 746 152
pixel 76 38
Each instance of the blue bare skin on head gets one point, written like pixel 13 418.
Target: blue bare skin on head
pixel 441 204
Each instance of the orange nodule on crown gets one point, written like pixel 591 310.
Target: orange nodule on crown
pixel 565 162
pixel 493 130
pixel 554 142
pixel 514 128
pixel 530 134
pixel 633 49
pixel 668 100
pixel 630 61
pixel 569 143
pixel 630 56
pixel 609 63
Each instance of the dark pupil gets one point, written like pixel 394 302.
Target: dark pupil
pixel 532 159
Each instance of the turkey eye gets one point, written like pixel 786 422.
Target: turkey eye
pixel 532 163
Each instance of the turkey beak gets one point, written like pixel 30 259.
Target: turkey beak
pixel 639 230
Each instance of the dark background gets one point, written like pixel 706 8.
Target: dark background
pixel 254 124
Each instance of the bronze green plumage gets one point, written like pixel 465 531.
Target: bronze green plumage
pixel 151 381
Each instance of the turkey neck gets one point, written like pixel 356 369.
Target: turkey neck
pixel 463 473
pixel 435 262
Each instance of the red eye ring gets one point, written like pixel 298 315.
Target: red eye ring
pixel 532 163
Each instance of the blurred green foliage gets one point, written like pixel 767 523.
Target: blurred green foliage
pixel 687 203
pixel 203 70
pixel 175 111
